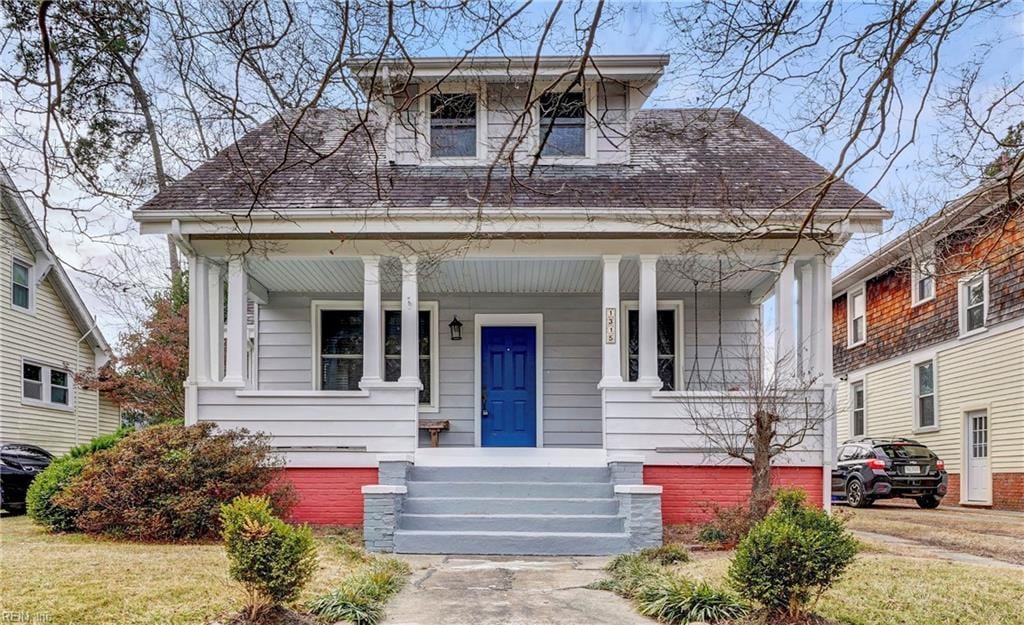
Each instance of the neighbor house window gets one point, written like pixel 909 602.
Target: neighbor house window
pixel 563 124
pixel 45 385
pixel 925 383
pixel 21 285
pixel 453 125
pixel 857 307
pixel 669 344
pixel 857 408
pixel 923 281
pixel 973 303
pixel 427 342
pixel 340 332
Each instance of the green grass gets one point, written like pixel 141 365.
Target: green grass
pixel 895 590
pixel 76 580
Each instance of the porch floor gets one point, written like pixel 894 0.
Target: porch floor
pixel 510 457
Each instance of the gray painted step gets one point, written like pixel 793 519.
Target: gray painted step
pixel 535 490
pixel 587 523
pixel 506 505
pixel 511 543
pixel 511 474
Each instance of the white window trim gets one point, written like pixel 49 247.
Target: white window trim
pixel 482 142
pixel 677 306
pixel 318 306
pixel 918 428
pixel 45 402
pixel 435 368
pixel 31 285
pixel 590 134
pixel 850 405
pixel 962 303
pixel 862 288
pixel 919 270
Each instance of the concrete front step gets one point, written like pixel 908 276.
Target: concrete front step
pixel 509 505
pixel 534 490
pixel 511 543
pixel 511 474
pixel 587 523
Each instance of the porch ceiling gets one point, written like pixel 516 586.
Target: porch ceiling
pixel 513 275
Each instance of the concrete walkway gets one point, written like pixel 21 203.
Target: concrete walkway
pixel 464 590
pixel 936 552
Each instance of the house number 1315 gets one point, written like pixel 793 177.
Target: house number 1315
pixel 609 325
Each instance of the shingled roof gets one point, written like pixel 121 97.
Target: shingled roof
pixel 683 159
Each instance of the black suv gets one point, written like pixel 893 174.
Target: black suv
pixel 19 465
pixel 882 468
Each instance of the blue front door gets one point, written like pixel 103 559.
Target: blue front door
pixel 508 380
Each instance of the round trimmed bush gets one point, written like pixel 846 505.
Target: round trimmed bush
pixel 791 557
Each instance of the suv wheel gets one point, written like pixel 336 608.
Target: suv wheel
pixel 855 496
pixel 929 502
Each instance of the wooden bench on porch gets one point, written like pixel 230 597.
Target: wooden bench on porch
pixel 435 428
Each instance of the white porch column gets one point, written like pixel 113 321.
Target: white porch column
pixel 215 320
pixel 648 314
pixel 786 353
pixel 822 345
pixel 238 296
pixel 372 345
pixel 410 322
pixel 611 359
pixel 198 321
pixel 808 321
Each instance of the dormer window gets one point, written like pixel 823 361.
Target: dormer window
pixel 453 125
pixel 563 124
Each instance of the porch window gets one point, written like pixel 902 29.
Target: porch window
pixel 563 124
pixel 453 125
pixel 341 349
pixel 393 348
pixel 925 383
pixel 669 343
pixel 857 409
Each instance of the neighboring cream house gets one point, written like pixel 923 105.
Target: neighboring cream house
pixel 928 340
pixel 46 336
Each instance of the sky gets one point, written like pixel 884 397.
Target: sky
pixel 913 183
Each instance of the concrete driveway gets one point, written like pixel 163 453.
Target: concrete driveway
pixel 457 590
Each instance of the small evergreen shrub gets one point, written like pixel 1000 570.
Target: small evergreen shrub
pixel 667 554
pixel 168 482
pixel 727 528
pixel 100 443
pixel 52 481
pixel 675 599
pixel 271 559
pixel 361 597
pixel 791 557
pixel 711 536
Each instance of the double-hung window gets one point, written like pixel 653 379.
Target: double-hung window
pixel 340 335
pixel 973 300
pixel 922 280
pixel 856 306
pixel 453 125
pixel 669 344
pixel 41 384
pixel 21 285
pixel 924 383
pixel 857 411
pixel 563 124
pixel 427 347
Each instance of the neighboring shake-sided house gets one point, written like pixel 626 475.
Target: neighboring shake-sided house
pixel 489 302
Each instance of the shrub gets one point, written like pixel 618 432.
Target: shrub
pixel 99 443
pixel 675 599
pixel 52 481
pixel 667 554
pixel 710 535
pixel 791 557
pixel 168 482
pixel 728 527
pixel 361 597
pixel 270 558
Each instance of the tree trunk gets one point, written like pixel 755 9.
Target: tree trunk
pixel 761 467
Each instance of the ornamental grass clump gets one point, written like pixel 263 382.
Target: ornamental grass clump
pixel 361 597
pixel 788 560
pixel 271 559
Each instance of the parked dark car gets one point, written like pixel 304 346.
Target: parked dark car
pixel 868 469
pixel 19 465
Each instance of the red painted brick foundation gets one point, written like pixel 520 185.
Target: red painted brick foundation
pixel 331 496
pixel 692 493
pixel 1007 491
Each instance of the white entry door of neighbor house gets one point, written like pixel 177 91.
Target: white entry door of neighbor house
pixel 978 478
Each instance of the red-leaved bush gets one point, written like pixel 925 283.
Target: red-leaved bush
pixel 168 482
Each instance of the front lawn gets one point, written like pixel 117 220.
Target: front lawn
pixel 882 587
pixel 78 580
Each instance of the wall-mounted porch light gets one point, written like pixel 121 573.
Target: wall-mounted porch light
pixel 455 327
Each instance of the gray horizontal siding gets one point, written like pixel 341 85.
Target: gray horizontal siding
pixel 572 354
